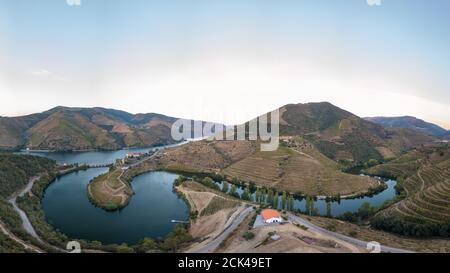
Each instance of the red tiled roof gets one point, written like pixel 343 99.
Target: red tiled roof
pixel 269 214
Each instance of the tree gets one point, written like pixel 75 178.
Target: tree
pixel 179 181
pixel 366 211
pixel 233 191
pixel 257 196
pixel 246 194
pixel 124 248
pixel 208 182
pixel 283 201
pixel 275 200
pixel 176 238
pixel 248 235
pixel 291 203
pixel 269 197
pixel 262 198
pixel 328 208
pixel 235 180
pixel 372 162
pixel 310 206
pixel 225 187
pixel 147 244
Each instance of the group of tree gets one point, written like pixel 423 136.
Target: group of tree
pixel 364 213
pixel 272 198
pixel 411 227
pixel 250 192
pixel 310 208
pixel 16 171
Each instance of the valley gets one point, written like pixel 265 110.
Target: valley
pixel 84 129
pixel 206 193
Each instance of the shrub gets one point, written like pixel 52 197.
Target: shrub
pixel 248 235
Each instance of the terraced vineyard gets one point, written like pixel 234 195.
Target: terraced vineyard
pixel 428 197
pixel 298 170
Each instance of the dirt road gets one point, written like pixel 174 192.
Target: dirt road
pixel 214 244
pixel 356 242
pixel 16 239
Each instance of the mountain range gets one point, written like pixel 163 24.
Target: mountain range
pixel 338 134
pixel 411 123
pixel 341 135
pixel 64 128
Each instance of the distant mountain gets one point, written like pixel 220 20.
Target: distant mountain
pixel 341 135
pixel 410 123
pixel 64 128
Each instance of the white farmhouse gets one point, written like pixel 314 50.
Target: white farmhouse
pixel 270 216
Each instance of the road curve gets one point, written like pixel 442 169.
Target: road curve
pixel 25 221
pixel 13 237
pixel 356 242
pixel 214 244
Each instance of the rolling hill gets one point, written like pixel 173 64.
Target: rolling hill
pixel 410 123
pixel 425 176
pixel 64 128
pixel 341 135
pixel 296 167
pixel 314 137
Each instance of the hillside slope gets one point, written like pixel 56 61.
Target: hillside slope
pixel 425 176
pixel 296 167
pixel 341 135
pixel 410 123
pixel 64 128
pixel 16 170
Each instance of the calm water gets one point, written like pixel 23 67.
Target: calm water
pixel 345 205
pixel 148 214
pixel 94 157
pixel 150 210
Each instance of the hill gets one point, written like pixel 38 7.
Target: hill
pixel 424 175
pixel 296 167
pixel 16 171
pixel 341 135
pixel 314 137
pixel 64 128
pixel 410 123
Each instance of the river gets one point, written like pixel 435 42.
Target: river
pixel 150 210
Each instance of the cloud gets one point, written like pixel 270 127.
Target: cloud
pixel 41 73
pixel 374 2
pixel 73 2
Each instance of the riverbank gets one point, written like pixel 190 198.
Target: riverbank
pixel 131 148
pixel 108 191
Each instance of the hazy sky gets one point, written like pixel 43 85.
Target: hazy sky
pixel 226 61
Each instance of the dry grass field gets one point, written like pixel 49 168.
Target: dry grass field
pixel 109 191
pixel 215 210
pixel 298 170
pixel 293 239
pixel 392 240
pixel 206 156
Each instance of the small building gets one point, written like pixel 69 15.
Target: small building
pixel 134 155
pixel 275 237
pixel 270 216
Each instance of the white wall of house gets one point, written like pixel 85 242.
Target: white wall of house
pixel 274 220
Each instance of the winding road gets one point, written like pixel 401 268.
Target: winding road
pixel 356 242
pixel 26 224
pixel 214 244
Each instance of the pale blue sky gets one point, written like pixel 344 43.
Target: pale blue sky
pixel 226 60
